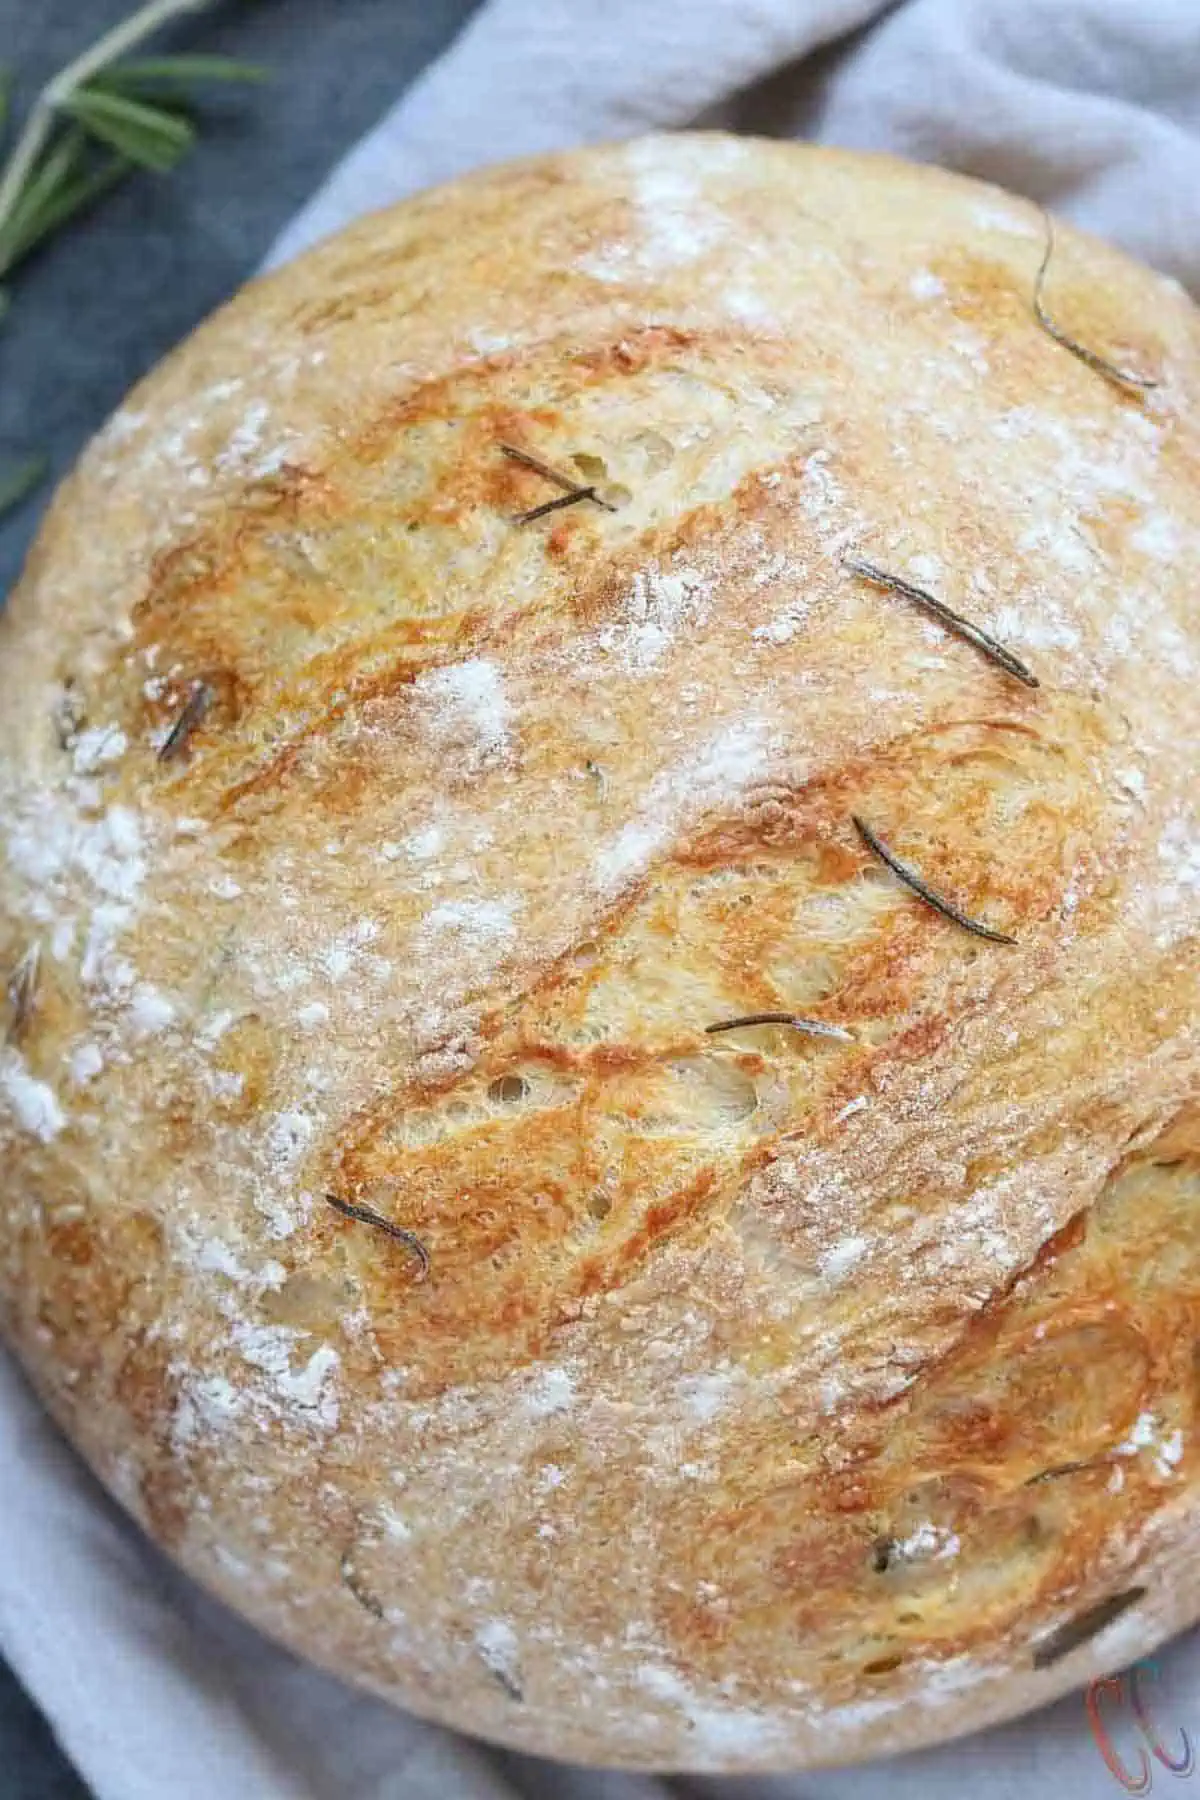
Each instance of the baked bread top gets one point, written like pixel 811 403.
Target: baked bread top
pixel 383 1220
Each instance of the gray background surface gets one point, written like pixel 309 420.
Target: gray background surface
pixel 101 304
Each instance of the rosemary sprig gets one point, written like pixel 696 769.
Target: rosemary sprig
pixel 19 479
pixel 1126 378
pixel 573 493
pixel 186 721
pixel 96 121
pixel 22 991
pixel 813 1027
pixel 170 71
pixel 354 1585
pixel 1084 1626
pixel 58 190
pixel 150 136
pixel 953 621
pixel 366 1215
pixel 922 889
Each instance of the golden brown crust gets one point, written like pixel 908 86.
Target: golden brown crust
pixel 377 846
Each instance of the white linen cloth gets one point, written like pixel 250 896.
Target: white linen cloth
pixel 1092 106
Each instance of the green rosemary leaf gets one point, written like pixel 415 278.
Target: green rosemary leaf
pixel 126 104
pixel 70 199
pixel 135 72
pixel 5 94
pixel 61 161
pixel 19 479
pixel 147 135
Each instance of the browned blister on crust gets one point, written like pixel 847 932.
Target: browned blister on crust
pixel 382 1219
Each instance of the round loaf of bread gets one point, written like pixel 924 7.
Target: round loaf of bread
pixel 496 655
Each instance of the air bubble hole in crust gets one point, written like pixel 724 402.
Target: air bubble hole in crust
pixel 594 470
pixel 508 1090
pixel 658 450
pixel 693 1094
